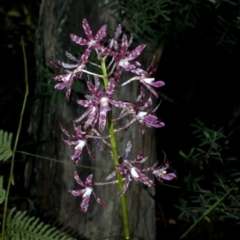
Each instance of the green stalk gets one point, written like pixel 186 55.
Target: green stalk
pixel 11 176
pixel 208 211
pixel 115 157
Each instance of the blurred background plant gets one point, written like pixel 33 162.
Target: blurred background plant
pixel 17 19
pixel 168 22
pixel 211 178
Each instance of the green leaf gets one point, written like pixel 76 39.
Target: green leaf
pixel 5 145
pixel 181 153
pixel 208 211
pixel 2 191
pixel 191 151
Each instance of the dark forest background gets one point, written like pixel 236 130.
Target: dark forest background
pixel 199 63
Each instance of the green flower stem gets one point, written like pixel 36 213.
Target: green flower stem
pixel 11 176
pixel 115 157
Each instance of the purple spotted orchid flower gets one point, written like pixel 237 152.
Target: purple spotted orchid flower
pixel 126 59
pixel 104 100
pixel 129 170
pixel 69 76
pixel 112 56
pixel 145 78
pixel 141 114
pixel 161 173
pixel 92 42
pixel 85 192
pixel 80 141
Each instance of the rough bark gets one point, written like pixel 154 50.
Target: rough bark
pixel 51 179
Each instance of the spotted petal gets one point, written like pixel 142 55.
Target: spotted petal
pixel 77 193
pixel 157 84
pixel 136 52
pixel 125 186
pixel 99 200
pixel 78 180
pixel 78 40
pixel 101 33
pixel 85 203
pixel 143 178
pixel 87 29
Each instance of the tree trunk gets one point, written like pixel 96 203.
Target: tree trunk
pixel 51 179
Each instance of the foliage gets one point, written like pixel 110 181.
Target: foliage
pixel 18 19
pixel 18 225
pixel 213 180
pixel 2 191
pixel 5 145
pixel 167 21
pixel 21 226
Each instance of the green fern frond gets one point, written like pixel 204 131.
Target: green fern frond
pixel 21 226
pixel 5 145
